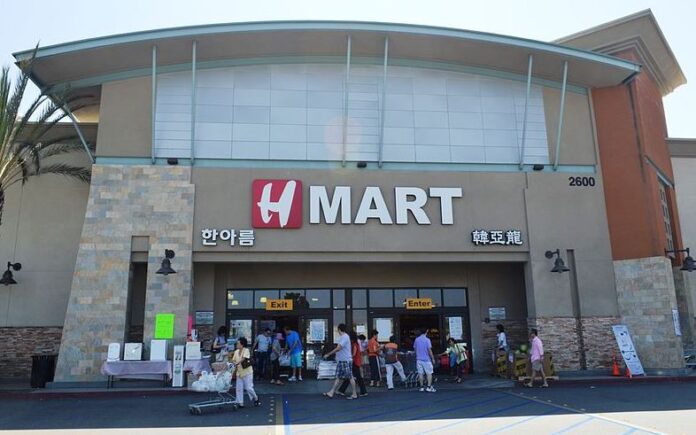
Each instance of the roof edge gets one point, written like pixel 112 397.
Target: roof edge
pixel 667 81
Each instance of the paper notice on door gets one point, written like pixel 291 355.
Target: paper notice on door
pixel 317 330
pixel 384 327
pixel 455 328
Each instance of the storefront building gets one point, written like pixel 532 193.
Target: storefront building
pixel 392 177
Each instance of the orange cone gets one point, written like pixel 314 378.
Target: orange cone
pixel 615 369
pixel 628 373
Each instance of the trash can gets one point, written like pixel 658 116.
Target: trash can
pixel 43 368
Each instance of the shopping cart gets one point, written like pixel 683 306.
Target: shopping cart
pixel 408 360
pixel 220 384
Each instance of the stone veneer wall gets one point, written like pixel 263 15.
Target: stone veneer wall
pixel 126 201
pixel 560 336
pixel 18 344
pixel 646 295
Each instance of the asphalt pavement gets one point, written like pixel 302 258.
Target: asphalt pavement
pixel 668 407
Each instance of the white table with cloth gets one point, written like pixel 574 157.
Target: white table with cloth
pixel 136 370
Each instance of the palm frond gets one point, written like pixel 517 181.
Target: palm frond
pixel 82 174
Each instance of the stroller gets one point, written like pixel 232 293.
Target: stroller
pixel 220 384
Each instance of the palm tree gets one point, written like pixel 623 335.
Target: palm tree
pixel 25 147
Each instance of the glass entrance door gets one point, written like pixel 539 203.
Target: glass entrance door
pixel 316 337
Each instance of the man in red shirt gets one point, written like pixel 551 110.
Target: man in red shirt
pixel 373 352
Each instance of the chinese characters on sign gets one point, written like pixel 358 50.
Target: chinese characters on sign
pixel 496 237
pixel 210 237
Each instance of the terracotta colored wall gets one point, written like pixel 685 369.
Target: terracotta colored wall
pixel 631 130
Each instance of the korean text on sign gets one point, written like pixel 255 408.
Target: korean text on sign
pixel 210 237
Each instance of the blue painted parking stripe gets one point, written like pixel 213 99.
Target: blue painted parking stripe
pixel 486 414
pixel 574 426
pixel 630 431
pixel 508 426
pixel 286 414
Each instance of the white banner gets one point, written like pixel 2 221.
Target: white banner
pixel 178 367
pixel 628 352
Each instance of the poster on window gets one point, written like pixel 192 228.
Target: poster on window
pixel 455 328
pixel 317 330
pixel 628 352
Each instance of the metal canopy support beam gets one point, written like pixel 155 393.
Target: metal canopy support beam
pixel 79 132
pixel 560 114
pixel 384 101
pixel 193 101
pixel 526 107
pixel 154 98
pixel 345 101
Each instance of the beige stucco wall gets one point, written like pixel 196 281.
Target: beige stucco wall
pixel 125 119
pixel 50 210
pixel 577 140
pixel 684 169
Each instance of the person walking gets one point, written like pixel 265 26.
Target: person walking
pixel 261 348
pixel 537 359
pixel 343 363
pixel 501 338
pixel 356 367
pixel 276 350
pixel 245 373
pixel 373 352
pixel 294 346
pixel 424 360
pixel 391 360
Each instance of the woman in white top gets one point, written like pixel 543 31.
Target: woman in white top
pixel 502 339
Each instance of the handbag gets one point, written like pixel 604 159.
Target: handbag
pixel 284 359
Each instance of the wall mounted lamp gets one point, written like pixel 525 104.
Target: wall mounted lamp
pixel 7 277
pixel 166 267
pixel 689 264
pixel 558 264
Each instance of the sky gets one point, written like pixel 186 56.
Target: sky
pixel 50 22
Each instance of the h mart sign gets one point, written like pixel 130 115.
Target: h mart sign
pixel 278 204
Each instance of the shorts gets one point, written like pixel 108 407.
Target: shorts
pixel 344 370
pixel 296 360
pixel 537 366
pixel 424 367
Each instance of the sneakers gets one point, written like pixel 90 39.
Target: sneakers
pixel 257 402
pixel 545 385
pixel 421 389
pixel 292 379
pixel 390 388
pixel 430 389
pixel 300 379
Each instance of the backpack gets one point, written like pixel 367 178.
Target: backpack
pixel 390 355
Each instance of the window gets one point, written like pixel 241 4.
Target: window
pixel 381 298
pixel 240 299
pixel 339 316
pixel 432 293
pixel 319 298
pixel 401 294
pixel 339 298
pixel 666 216
pixel 454 297
pixel 261 296
pixel 360 298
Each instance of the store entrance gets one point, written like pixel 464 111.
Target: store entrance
pixel 410 323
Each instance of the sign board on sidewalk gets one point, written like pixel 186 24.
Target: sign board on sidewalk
pixel 178 367
pixel 628 352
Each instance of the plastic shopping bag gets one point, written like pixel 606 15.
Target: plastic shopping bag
pixel 284 360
